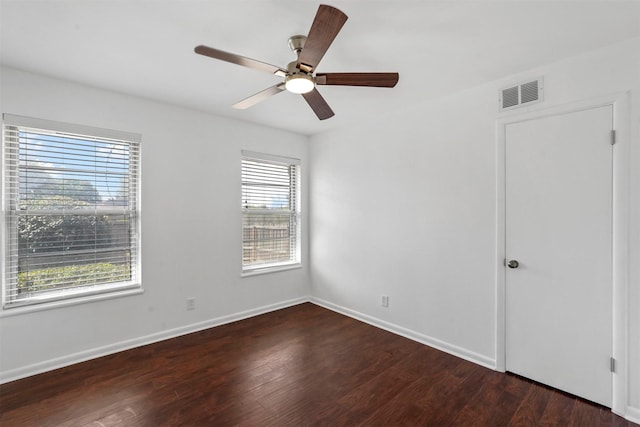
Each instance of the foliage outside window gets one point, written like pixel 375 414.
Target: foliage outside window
pixel 270 212
pixel 70 209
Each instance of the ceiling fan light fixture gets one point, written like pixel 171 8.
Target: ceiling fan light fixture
pixel 299 83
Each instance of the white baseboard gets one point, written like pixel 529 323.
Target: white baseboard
pixel 632 414
pixel 82 356
pixel 454 350
pixel 70 359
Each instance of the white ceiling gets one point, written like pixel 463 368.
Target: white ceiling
pixel 145 48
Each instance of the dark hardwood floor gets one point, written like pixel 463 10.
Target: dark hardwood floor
pixel 300 366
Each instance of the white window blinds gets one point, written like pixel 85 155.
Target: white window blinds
pixel 270 211
pixel 71 210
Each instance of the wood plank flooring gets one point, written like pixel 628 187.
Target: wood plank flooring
pixel 301 366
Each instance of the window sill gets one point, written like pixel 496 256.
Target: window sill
pixel 25 308
pixel 271 269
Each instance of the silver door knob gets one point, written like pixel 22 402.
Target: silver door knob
pixel 513 264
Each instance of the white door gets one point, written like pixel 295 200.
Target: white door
pixel 559 230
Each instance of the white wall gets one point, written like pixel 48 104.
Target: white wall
pixel 191 227
pixel 405 206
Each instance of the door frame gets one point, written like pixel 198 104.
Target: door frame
pixel 620 217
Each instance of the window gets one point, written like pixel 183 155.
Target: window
pixel 70 211
pixel 270 212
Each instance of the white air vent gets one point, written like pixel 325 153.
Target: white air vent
pixel 521 94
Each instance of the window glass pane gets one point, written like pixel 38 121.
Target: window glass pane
pixel 63 172
pixel 268 238
pixel 267 186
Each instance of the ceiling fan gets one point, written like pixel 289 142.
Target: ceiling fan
pixel 299 75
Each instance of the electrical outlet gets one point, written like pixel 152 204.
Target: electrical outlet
pixel 385 300
pixel 191 304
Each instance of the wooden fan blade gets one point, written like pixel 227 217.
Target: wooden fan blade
pixel 259 97
pixel 358 79
pixel 240 60
pixel 318 104
pixel 324 29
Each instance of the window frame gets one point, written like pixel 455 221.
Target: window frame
pixel 10 215
pixel 263 268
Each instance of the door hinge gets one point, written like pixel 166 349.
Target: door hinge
pixel 613 137
pixel 612 364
